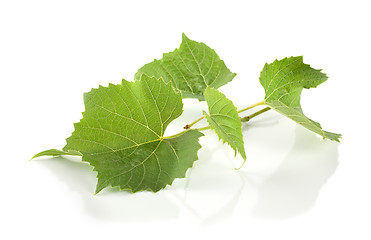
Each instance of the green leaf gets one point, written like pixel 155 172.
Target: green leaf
pixel 190 69
pixel 121 135
pixel 224 119
pixel 55 153
pixel 283 81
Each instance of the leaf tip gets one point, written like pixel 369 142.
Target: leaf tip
pixel 243 163
pixel 98 189
pixel 184 37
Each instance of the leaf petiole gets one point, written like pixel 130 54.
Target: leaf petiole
pixel 251 106
pixel 244 119
pixel 180 133
pixel 176 135
pixel 203 128
pixel 191 124
pixel 247 118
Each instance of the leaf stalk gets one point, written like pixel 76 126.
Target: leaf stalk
pixel 188 126
pixel 251 106
pixel 248 118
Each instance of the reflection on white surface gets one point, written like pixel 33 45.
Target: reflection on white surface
pixel 294 187
pixel 286 168
pixel 111 204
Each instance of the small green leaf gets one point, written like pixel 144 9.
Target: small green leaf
pixel 224 119
pixel 190 69
pixel 55 153
pixel 283 81
pixel 121 135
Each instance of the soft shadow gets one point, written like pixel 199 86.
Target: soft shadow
pixel 110 204
pixel 213 188
pixel 290 191
pixel 227 210
pixel 293 189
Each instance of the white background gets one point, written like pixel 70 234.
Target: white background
pixel 294 185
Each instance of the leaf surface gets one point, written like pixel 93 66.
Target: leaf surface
pixel 190 69
pixel 283 81
pixel 121 135
pixel 224 119
pixel 55 153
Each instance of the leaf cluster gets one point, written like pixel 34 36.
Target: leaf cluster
pixel 122 130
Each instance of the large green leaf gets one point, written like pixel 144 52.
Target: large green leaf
pixel 121 134
pixel 191 68
pixel 224 119
pixel 283 81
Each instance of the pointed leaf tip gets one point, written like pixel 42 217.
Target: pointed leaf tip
pixel 184 36
pixel 55 152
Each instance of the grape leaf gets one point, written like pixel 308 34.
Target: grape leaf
pixel 55 153
pixel 224 119
pixel 191 68
pixel 121 135
pixel 283 81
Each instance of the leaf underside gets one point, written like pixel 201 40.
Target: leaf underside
pixel 121 135
pixel 224 119
pixel 191 69
pixel 283 81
